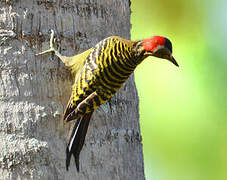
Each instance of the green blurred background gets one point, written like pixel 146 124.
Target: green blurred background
pixel 183 111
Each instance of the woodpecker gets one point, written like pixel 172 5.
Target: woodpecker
pixel 99 72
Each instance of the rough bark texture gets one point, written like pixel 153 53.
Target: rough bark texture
pixel 34 92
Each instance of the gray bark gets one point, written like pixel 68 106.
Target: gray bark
pixel 34 92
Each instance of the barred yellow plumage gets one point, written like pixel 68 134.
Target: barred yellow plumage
pixel 99 73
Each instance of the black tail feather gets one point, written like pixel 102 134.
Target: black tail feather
pixel 73 132
pixel 68 157
pixel 77 138
pixel 77 161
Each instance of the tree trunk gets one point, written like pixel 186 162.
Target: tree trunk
pixel 34 92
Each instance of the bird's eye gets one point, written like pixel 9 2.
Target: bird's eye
pixel 166 56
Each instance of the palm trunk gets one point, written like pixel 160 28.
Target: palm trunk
pixel 34 92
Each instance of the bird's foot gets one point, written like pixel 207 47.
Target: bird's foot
pixel 52 49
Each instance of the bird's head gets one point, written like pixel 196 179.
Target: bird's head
pixel 158 46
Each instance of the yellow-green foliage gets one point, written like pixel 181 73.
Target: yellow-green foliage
pixel 183 110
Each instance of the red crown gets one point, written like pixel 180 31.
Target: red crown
pixel 151 43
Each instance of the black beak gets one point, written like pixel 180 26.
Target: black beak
pixel 173 61
pixel 165 53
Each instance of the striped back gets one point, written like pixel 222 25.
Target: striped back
pixel 112 61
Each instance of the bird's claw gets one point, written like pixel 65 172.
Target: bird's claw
pixel 52 40
pixel 47 51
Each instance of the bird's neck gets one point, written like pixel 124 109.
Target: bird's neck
pixel 138 52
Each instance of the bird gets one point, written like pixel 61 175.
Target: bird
pixel 98 73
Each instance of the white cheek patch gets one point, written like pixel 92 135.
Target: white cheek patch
pixel 158 48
